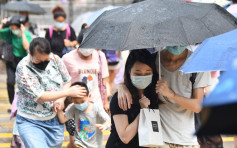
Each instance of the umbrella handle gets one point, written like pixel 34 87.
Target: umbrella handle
pixel 159 63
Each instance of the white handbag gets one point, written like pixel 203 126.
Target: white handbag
pixel 149 129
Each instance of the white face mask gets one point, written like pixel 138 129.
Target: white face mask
pixel 86 51
pixel 141 82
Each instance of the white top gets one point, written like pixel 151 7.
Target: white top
pixel 177 122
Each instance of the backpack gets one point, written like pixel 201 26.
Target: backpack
pixel 212 141
pixel 68 32
pixel 68 35
pixel 6 49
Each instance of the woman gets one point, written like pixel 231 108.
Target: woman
pixel 20 40
pixel 60 35
pixel 43 84
pixel 140 78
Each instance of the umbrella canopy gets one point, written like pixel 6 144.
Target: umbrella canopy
pixel 81 19
pixel 157 23
pixel 20 6
pixel 89 17
pixel 213 54
pixel 220 107
pixel 97 13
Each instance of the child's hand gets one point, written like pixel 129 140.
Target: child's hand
pixel 102 127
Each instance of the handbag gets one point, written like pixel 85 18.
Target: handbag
pixel 6 50
pixel 149 128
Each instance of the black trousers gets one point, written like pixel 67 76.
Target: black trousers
pixel 11 70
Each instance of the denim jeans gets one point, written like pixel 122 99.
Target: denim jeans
pixel 40 134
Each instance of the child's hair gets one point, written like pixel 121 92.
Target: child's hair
pixel 82 84
pixel 68 99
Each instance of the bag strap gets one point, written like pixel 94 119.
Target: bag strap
pixel 56 63
pixel 193 79
pixel 68 31
pixel 196 116
pixel 51 32
pixel 100 80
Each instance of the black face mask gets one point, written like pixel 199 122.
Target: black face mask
pixel 41 65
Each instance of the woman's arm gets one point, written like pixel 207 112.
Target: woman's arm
pixel 125 130
pixel 69 43
pixel 4 21
pixel 74 91
pixel 26 44
pixel 59 104
pixel 106 106
pixel 74 43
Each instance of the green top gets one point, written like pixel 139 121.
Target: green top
pixel 17 43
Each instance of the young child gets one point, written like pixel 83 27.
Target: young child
pixel 91 120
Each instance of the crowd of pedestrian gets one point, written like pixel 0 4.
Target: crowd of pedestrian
pixel 90 90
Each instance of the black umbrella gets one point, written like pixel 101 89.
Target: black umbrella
pixel 20 6
pixel 157 23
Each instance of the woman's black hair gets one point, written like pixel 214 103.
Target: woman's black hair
pixel 58 11
pixel 41 45
pixel 82 84
pixel 143 56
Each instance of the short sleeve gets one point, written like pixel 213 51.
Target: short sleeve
pixel 4 33
pixel 203 79
pixel 70 113
pixel 65 61
pixel 103 116
pixel 64 73
pixel 73 34
pixel 105 69
pixel 28 83
pixel 114 107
